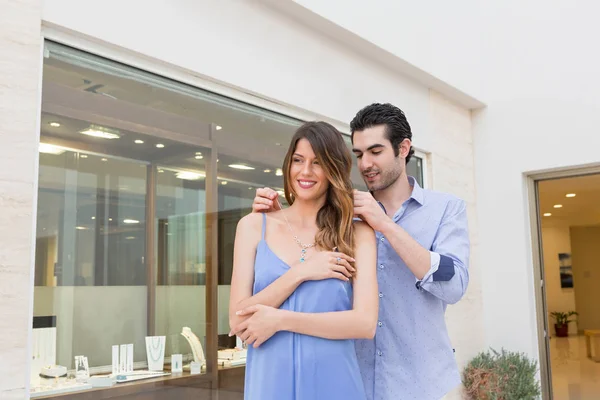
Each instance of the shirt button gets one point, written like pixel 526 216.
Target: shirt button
pixel 380 323
pixel 381 266
pixel 379 353
pixel 380 295
pixel 382 238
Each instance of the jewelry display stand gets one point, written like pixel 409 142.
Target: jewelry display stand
pixel 43 350
pixel 155 351
pixel 197 350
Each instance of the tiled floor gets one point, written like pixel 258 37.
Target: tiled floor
pixel 574 376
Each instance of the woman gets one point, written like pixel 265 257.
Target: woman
pixel 295 301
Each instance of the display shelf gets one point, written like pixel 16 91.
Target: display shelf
pixel 230 379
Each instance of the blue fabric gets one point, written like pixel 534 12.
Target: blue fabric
pixel 445 270
pixel 411 356
pixel 291 366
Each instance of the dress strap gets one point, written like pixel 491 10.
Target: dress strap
pixel 264 225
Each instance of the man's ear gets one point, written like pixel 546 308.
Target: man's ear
pixel 404 147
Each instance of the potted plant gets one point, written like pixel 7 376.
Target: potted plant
pixel 501 375
pixel 562 322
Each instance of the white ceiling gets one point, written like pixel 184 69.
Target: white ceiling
pixel 583 209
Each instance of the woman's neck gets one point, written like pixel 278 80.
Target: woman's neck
pixel 303 214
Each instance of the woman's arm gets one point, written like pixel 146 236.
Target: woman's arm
pixel 244 253
pixel 361 321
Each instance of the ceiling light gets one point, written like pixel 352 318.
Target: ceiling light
pixel 83 156
pixel 277 144
pixel 241 166
pixel 571 195
pixel 160 145
pixel 266 171
pixel 250 188
pixel 54 124
pixel 130 237
pixel 138 141
pixel 160 171
pixel 224 183
pixel 104 159
pixel 131 221
pixel 558 206
pixel 81 228
pixel 100 132
pixel 110 219
pixel 279 172
pixel 93 217
pixel 218 127
pixel 50 149
pixel 547 214
pixel 191 176
pixel 199 157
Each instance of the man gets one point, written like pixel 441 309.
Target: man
pixel 422 261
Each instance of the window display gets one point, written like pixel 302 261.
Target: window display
pixel 142 181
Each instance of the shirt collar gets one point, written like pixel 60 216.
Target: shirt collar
pixel 417 192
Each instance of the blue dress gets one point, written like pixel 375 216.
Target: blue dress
pixel 292 366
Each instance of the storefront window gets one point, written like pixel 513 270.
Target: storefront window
pixel 142 182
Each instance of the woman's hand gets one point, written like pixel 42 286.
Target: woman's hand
pixel 325 265
pixel 264 322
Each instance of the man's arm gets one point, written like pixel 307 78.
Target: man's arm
pixel 443 271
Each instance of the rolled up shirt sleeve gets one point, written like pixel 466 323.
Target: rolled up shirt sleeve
pixel 448 276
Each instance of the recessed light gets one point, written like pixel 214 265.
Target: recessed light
pixel 131 221
pixel 190 176
pixel 110 219
pixel 547 214
pixel 199 157
pixel 266 171
pixel 160 171
pixel 83 156
pixel 138 141
pixel 277 144
pixel 250 188
pixel 241 166
pixel 104 159
pixel 93 217
pixel 279 172
pixel 50 149
pixel 218 127
pixel 571 195
pixel 100 132
pixel 160 145
pixel 54 124
pixel 224 183
pixel 130 237
pixel 558 206
pixel 81 228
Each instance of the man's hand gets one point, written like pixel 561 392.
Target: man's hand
pixel 367 208
pixel 263 323
pixel 265 200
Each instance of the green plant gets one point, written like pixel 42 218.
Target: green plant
pixel 562 318
pixel 501 375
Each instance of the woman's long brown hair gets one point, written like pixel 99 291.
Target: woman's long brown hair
pixel 334 219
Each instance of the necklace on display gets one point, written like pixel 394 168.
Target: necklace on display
pixel 303 246
pixel 153 348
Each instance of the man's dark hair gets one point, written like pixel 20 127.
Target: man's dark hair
pixel 397 127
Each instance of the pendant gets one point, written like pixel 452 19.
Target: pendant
pixel 303 255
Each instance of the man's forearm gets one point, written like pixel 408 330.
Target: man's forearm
pixel 415 256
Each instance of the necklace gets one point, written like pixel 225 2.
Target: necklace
pixel 302 245
pixel 154 349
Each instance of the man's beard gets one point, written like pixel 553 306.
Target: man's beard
pixel 386 179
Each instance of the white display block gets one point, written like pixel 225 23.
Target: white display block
pixel 155 351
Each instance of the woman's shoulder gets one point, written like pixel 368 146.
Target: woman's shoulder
pixel 363 230
pixel 250 223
